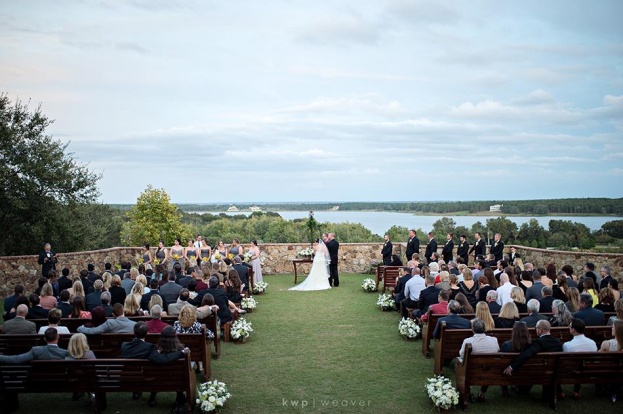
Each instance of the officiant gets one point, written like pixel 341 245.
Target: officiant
pixel 47 260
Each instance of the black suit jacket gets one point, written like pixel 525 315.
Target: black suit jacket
pixel 453 321
pixel 399 290
pixel 497 249
pixel 87 284
pixel 546 304
pixel 544 343
pixel 413 246
pixel 386 252
pixel 463 250
pixel 37 312
pixel 50 264
pixel 144 350
pixel 494 307
pixel 65 308
pixel 333 246
pixel 447 251
pixel 93 277
pixel 604 282
pixel 64 283
pixel 220 299
pixel 431 248
pixel 428 296
pixel 532 319
pixel 479 248
pixel 591 316
pixel 93 299
pixel 243 273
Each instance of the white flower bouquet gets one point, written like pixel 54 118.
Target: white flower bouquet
pixel 441 391
pixel 212 395
pixel 369 285
pixel 240 330
pixel 248 304
pixel 247 256
pixel 259 287
pixel 409 329
pixel 386 301
pixel 306 252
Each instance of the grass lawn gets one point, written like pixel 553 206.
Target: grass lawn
pixel 329 351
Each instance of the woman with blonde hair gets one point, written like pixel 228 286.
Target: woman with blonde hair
pixel 618 308
pixel 157 300
pixel 444 280
pixel 187 322
pixel 589 287
pixel 519 299
pixel 131 307
pixel 137 291
pixel 508 315
pixel 143 279
pixel 47 299
pixel 76 290
pixel 117 293
pixel 78 347
pixel 519 263
pixel 469 287
pixel 573 304
pixel 483 312
pixel 107 279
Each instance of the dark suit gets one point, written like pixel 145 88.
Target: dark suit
pixel 147 297
pixel 604 282
pixel 431 248
pixel 447 251
pixel 591 316
pixel 497 249
pixel 534 291
pixel 117 295
pixel 532 319
pixel 49 264
pixel 139 349
pixel 544 343
pixel 413 246
pixel 19 325
pixel 399 290
pixel 386 252
pixel 37 312
pixel 64 283
pixel 479 248
pixel 494 307
pixel 453 321
pixel 65 308
pixel 183 281
pixel 93 277
pixel 463 251
pixel 220 299
pixel 243 273
pixel 37 352
pixel 428 296
pixel 546 304
pixel 93 299
pixel 513 256
pixel 333 246
pixel 87 284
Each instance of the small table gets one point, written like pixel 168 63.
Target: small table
pixel 297 261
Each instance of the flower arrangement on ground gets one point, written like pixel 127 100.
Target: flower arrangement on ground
pixel 259 287
pixel 386 301
pixel 409 329
pixel 441 391
pixel 240 330
pixel 248 304
pixel 212 395
pixel 306 252
pixel 369 285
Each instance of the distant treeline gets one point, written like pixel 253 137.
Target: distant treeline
pixel 612 206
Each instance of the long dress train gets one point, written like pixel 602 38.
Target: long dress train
pixel 318 278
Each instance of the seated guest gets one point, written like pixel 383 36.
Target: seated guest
pixel 10 302
pixel 63 304
pixel 481 344
pixel 243 274
pixel 492 302
pixel 168 343
pixel 520 339
pixel 484 288
pixel 94 298
pixel 170 290
pixel 120 324
pixel 579 343
pixel 399 290
pixel 618 308
pixel 46 298
pixel 466 307
pixel 534 316
pixel 157 300
pixel 519 299
pixel 413 287
pixel 504 291
pixel 105 297
pixel 78 347
pixel 36 311
pixel 546 299
pixel 79 309
pixel 220 299
pixel 508 316
pixel 606 300
pixel 441 307
pixel 207 307
pixel 233 286
pixel 590 315
pixel 395 260
pixel 182 300
pixel 187 322
pixel 453 320
pixel 454 286
pixel 561 315
pixel 444 280
pixel 153 285
pixel 614 288
pixel 98 317
pixel 573 304
pixel 615 344
pixel 131 306
pixel 560 288
pixel 48 351
pixel 155 324
pixel 117 293
pixel 428 296
pixel 19 325
pixel 54 316
pixel 482 313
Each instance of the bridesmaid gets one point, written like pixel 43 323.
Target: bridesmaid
pixel 146 256
pixel 177 250
pixel 221 249
pixel 235 248
pixel 206 251
pixel 162 254
pixel 191 253
pixel 255 261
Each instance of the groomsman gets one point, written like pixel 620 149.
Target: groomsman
pixel 448 248
pixel 497 247
pixel 386 251
pixel 431 247
pixel 413 244
pixel 513 255
pixel 463 250
pixel 479 248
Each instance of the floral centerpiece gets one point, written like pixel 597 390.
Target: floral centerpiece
pixel 240 330
pixel 441 391
pixel 306 252
pixel 259 287
pixel 248 304
pixel 247 256
pixel 212 395
pixel 386 302
pixel 369 285
pixel 409 329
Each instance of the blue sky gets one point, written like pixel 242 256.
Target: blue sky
pixel 218 101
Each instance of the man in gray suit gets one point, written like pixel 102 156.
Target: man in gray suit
pixel 120 324
pixel 175 308
pixel 534 291
pixel 19 324
pixel 170 290
pixel 49 351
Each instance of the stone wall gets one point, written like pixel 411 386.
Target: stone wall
pixel 276 258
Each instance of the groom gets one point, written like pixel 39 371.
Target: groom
pixel 332 246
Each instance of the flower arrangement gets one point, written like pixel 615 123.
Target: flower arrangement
pixel 118 266
pixel 248 304
pixel 386 301
pixel 217 256
pixel 259 287
pixel 141 260
pixel 212 395
pixel 369 285
pixel 409 329
pixel 441 391
pixel 247 256
pixel 156 261
pixel 240 330
pixel 231 256
pixel 205 259
pixel 306 252
pixel 176 257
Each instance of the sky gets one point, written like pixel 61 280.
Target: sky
pixel 341 100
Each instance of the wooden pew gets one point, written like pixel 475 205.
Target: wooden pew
pixel 98 376
pixel 380 271
pixel 390 277
pixel 449 343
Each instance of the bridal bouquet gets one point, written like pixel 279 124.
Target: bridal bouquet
pixel 248 304
pixel 306 252
pixel 409 329
pixel 259 287
pixel 212 395
pixel 386 301
pixel 247 256
pixel 240 330
pixel 369 285
pixel 441 391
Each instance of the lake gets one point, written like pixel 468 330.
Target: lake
pixel 379 222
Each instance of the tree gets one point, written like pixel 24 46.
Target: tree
pixel 154 218
pixel 613 228
pixel 443 226
pixel 44 189
pixel 506 228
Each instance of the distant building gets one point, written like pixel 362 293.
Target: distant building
pixel 233 208
pixel 335 208
pixel 496 208
pixel 255 208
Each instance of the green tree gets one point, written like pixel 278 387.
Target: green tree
pixel 613 228
pixel 154 218
pixel 532 231
pixel 398 234
pixel 44 189
pixel 506 228
pixel 442 227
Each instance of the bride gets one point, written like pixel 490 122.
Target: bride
pixel 318 278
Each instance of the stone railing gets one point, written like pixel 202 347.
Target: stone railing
pixel 276 259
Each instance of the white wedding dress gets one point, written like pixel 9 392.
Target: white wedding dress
pixel 318 278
